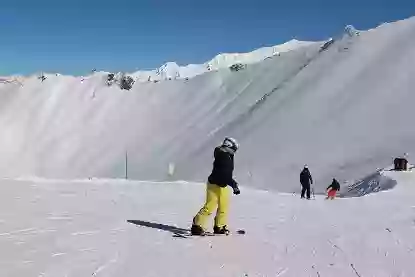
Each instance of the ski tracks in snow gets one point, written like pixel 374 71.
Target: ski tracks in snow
pixel 345 256
pixel 55 233
pixel 56 236
pixel 281 272
pixel 105 265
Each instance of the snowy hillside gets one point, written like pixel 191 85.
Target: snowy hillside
pixel 113 228
pixel 345 110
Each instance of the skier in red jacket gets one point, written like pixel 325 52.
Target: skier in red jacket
pixel 333 189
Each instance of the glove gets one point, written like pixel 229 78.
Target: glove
pixel 236 191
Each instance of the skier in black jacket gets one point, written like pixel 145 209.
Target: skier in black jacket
pixel 306 181
pixel 217 192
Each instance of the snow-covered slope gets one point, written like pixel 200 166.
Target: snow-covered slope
pixel 120 228
pixel 344 111
pixel 63 127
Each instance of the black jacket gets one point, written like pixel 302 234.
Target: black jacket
pixel 334 185
pixel 305 177
pixel 222 172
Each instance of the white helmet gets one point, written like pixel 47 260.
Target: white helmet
pixel 231 143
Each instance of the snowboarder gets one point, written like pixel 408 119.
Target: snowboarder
pixel 306 181
pixel 333 189
pixel 217 191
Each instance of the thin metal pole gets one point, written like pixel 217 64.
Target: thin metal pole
pixel 126 165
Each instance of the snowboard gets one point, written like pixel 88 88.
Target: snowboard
pixel 207 234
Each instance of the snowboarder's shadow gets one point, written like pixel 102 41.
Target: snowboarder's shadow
pixel 159 226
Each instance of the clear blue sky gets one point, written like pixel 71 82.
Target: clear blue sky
pixel 72 37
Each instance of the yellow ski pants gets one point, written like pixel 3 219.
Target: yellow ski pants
pixel 216 197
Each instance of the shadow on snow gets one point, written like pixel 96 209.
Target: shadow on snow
pixel 370 184
pixel 159 226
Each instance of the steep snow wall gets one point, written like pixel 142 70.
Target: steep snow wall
pixel 344 111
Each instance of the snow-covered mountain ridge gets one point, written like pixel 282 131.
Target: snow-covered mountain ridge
pixel 171 70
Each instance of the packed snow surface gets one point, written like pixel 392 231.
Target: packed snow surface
pixel 108 228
